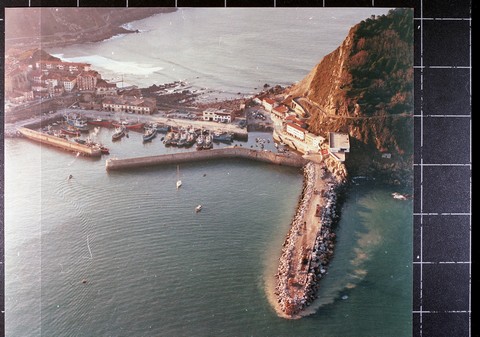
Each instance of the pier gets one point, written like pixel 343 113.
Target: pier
pixel 60 142
pixel 185 157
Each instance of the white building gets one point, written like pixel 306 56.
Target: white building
pixel 339 145
pixel 215 115
pixel 296 131
pixel 268 104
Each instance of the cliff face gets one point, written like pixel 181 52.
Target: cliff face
pixel 365 88
pixel 59 26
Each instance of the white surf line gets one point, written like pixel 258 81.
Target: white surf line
pixel 89 250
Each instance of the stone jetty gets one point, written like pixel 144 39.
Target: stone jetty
pixel 60 143
pixel 184 157
pixel 309 244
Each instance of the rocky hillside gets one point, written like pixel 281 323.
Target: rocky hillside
pixel 25 27
pixel 365 88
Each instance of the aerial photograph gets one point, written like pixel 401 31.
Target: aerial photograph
pixel 208 171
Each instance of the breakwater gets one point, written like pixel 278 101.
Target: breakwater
pixel 184 157
pixel 309 244
pixel 60 143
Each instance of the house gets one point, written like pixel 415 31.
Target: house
pixel 69 82
pixel 279 111
pixel 141 106
pixel 71 67
pixel 268 104
pixel 339 145
pixel 314 140
pixel 296 131
pixel 87 80
pixel 104 88
pixel 216 115
pixel 298 107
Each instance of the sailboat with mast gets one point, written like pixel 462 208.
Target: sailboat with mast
pixel 179 182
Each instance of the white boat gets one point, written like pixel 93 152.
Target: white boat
pixel 198 208
pixel 399 196
pixel 179 182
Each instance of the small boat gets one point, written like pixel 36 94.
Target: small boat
pixel 179 182
pixel 119 133
pixel 129 126
pixel 149 134
pixel 80 141
pixel 104 149
pixel 163 128
pixel 70 131
pixel 200 141
pixel 399 196
pixel 198 208
pixel 222 137
pixel 208 144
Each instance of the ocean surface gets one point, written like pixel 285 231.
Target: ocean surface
pixel 125 254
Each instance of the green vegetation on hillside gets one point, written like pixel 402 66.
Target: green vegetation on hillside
pixel 381 64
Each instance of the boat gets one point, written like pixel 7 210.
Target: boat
pixel 80 141
pixel 399 196
pixel 208 144
pixel 70 131
pixel 129 125
pixel 100 122
pixel 222 137
pixel 104 149
pixel 163 128
pixel 119 133
pixel 149 134
pixel 200 141
pixel 198 208
pixel 190 139
pixel 179 182
pixel 77 123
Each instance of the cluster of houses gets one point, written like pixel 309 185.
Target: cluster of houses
pixel 27 81
pixel 290 116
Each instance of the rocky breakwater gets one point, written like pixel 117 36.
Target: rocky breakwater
pixel 309 245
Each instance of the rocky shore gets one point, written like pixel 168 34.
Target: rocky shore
pixel 305 258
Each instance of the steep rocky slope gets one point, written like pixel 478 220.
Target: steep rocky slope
pixel 365 88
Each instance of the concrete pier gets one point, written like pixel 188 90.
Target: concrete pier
pixel 183 157
pixel 60 143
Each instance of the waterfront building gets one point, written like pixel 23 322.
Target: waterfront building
pixel 296 131
pixel 218 115
pixel 141 106
pixel 69 83
pixel 268 104
pixel 313 140
pixel 338 145
pixel 71 67
pixel 279 111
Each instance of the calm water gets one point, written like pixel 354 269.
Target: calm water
pixel 152 266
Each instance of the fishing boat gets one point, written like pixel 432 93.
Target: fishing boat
pixel 208 144
pixel 222 137
pixel 119 133
pixel 129 125
pixel 190 139
pixel 163 128
pixel 149 134
pixel 200 141
pixel 179 182
pixel 100 122
pixel 69 130
pixel 198 208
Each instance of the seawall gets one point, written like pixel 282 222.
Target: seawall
pixel 231 152
pixel 60 143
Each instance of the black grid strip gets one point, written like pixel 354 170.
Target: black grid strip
pixel 426 322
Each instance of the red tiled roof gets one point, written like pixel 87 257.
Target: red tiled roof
pixel 269 100
pixel 295 126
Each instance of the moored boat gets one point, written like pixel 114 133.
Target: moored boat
pixel 208 144
pixel 149 134
pixel 200 141
pixel 163 128
pixel 119 133
pixel 70 131
pixel 222 137
pixel 129 125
